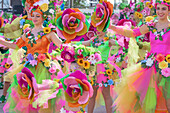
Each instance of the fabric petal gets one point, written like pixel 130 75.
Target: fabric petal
pixel 85 87
pixel 69 91
pixel 70 80
pixel 90 87
pixel 76 15
pixel 84 98
pixel 67 11
pixel 59 33
pixel 80 27
pixel 83 31
pixel 35 86
pixel 65 19
pixel 78 74
pixel 69 37
pixel 82 16
pixel 69 31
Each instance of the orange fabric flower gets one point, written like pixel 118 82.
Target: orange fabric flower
pixel 71 24
pixel 160 57
pixel 101 17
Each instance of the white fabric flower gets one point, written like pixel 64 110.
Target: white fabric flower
pixel 62 110
pixel 149 62
pixel 100 85
pixel 51 11
pixel 162 33
pixel 118 59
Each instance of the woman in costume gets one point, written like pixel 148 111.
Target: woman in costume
pixel 145 83
pixel 27 19
pixel 34 45
pixel 105 72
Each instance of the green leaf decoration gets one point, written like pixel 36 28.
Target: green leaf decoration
pixel 59 23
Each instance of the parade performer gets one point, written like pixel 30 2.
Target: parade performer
pixel 34 45
pixel 105 73
pixel 138 91
pixel 27 20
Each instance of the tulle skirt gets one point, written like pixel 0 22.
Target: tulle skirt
pixel 139 91
pixel 49 99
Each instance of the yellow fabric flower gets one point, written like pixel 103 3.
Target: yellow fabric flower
pixel 163 65
pixel 167 1
pixel 92 82
pixel 147 3
pixel 44 7
pixel 150 6
pixel 7 66
pixel 80 62
pixel 39 36
pixel 154 30
pixel 168 58
pixel 24 17
pixel 26 26
pixel 149 18
pixel 140 16
pixel 109 72
pixel 86 64
pixel 106 38
pixel 47 30
pixel 47 63
pixel 136 13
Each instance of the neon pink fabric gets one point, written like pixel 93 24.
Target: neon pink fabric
pixel 137 32
pixel 158 46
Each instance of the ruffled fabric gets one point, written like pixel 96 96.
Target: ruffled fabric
pixel 138 91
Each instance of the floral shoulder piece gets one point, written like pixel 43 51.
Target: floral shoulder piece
pixel 150 21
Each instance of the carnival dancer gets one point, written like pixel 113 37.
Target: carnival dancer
pixel 27 19
pixel 34 45
pixel 138 91
pixel 104 76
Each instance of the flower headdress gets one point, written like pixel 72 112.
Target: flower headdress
pixel 40 7
pixel 101 16
pixel 31 2
pixel 165 2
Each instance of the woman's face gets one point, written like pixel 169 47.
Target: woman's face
pixel 27 6
pixel 162 11
pixel 37 18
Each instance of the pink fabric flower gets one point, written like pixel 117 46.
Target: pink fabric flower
pixel 80 51
pixel 166 72
pixel 78 89
pixel 33 62
pixel 52 69
pixel 68 54
pixel 41 57
pixel 25 79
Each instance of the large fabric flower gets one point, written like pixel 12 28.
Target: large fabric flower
pixel 27 85
pixel 68 54
pixel 71 23
pixel 101 17
pixel 77 89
